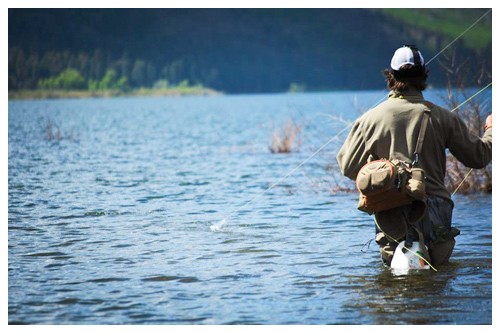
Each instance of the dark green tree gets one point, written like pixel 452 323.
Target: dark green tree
pixel 138 75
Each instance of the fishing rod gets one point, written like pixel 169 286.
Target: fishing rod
pixel 217 226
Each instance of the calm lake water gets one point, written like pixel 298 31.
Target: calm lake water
pixel 111 203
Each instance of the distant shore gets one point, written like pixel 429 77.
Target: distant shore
pixel 59 94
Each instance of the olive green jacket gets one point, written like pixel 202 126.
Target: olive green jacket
pixel 390 130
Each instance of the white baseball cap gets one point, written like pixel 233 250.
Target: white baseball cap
pixel 405 56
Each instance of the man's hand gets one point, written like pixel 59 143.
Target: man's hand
pixel 488 123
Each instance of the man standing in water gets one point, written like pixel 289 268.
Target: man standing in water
pixel 390 130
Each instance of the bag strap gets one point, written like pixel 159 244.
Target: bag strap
pixel 421 134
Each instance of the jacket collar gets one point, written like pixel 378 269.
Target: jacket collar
pixel 412 95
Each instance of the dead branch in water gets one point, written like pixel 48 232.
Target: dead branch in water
pixel 53 133
pixel 284 143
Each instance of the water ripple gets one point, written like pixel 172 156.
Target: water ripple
pixel 116 228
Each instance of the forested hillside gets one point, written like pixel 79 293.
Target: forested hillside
pixel 231 50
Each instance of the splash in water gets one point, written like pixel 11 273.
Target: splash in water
pixel 218 226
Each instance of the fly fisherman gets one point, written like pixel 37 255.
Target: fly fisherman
pixel 390 131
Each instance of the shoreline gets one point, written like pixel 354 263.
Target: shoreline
pixel 37 94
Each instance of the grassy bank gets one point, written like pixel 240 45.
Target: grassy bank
pixel 449 23
pixel 54 94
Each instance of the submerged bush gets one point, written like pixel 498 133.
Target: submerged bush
pixel 285 142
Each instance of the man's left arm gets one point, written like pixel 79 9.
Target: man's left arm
pixel 353 155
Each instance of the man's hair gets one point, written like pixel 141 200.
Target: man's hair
pixel 402 84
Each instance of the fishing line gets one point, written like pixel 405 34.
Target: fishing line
pixel 463 181
pixel 437 54
pixel 463 33
pixel 428 62
pixel 471 169
pixel 406 248
pixel 217 226
pixel 468 99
